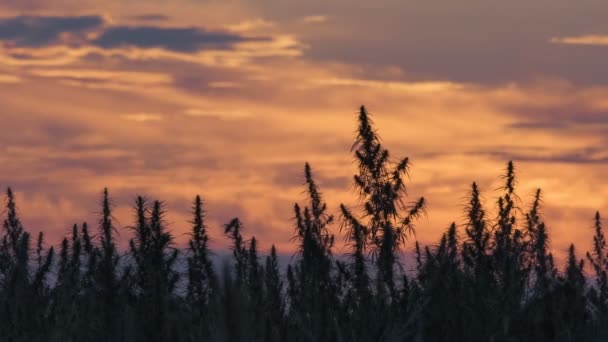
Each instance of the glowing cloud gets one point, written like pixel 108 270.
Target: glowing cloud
pixel 251 25
pixel 6 78
pixel 142 117
pixel 592 39
pixel 223 114
pixel 315 19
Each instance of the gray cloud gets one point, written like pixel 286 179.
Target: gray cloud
pixel 35 31
pixel 177 39
pixel 561 118
pixel 532 125
pixel 589 155
pixel 479 41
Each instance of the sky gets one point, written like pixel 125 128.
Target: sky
pixel 229 99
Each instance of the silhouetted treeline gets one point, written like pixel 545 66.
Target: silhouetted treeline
pixel 492 278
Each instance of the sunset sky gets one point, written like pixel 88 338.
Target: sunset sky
pixel 229 99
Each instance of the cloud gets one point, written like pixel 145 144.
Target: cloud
pixel 6 78
pixel 64 43
pixel 251 25
pixel 33 31
pixel 120 80
pixel 591 39
pixel 315 19
pixel 131 77
pixel 63 40
pixel 585 156
pixel 223 114
pixel 175 39
pixel 257 161
pixel 447 43
pixel 559 109
pixel 413 87
pixel 224 84
pixel 142 117
pixel 247 110
pixel 240 55
pixel 577 119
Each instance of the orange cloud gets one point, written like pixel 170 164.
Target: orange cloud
pixel 591 39
pixel 251 25
pixel 142 117
pixel 315 19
